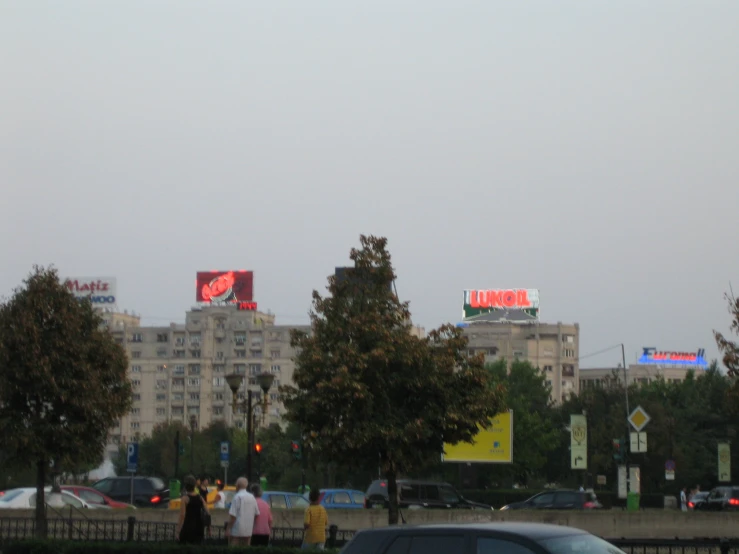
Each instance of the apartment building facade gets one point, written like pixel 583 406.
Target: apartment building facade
pixel 554 348
pixel 179 371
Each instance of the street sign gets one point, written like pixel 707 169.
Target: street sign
pixel 601 479
pixel 224 463
pixel 670 470
pixel 622 482
pixel 132 457
pixel 225 452
pixel 639 419
pixel 578 442
pixel 638 442
pixel 635 479
pixel 724 462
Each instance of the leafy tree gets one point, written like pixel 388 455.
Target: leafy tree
pixel 63 382
pixel 730 350
pixel 368 391
pixel 535 434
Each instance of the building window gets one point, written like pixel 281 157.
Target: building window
pixel 569 339
pixel 195 339
pixel 219 355
pixel 194 396
pixel 517 353
pixel 179 341
pixel 161 412
pixel 256 354
pixel 218 396
pixel 134 425
pixel 219 381
pixel 568 370
pixel 161 397
pixel 161 368
pixel 569 352
pixel 136 337
pixel 273 396
pixel 135 411
pixel 548 368
pixel 255 369
pixel 240 340
pixel 178 396
pixel 276 383
pixel 178 383
pixel 274 353
pixel 161 353
pixel 179 370
pixel 218 410
pixel 193 382
pixel 136 397
pixel 240 353
pixel 162 337
pixel 179 353
pixel 218 368
pixel 136 354
pixel 194 369
pixel 178 411
pixel 193 410
pixel 136 368
pixel 196 353
pixel 162 384
pixel 252 381
pixel 135 383
pixel 275 369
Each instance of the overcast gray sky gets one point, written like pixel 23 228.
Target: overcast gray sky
pixel 585 148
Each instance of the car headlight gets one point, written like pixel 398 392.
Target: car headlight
pixel 503 508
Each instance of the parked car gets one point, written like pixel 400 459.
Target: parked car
pixel 478 538
pixel 96 498
pixel 25 498
pixel 722 499
pixel 416 494
pixel 285 500
pixel 558 500
pixel 342 499
pixel 148 492
pixel 698 501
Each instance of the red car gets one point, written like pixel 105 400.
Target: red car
pixel 91 496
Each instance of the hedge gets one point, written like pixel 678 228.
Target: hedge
pixel 72 547
pixel 499 498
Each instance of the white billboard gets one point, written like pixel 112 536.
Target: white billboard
pixel 101 291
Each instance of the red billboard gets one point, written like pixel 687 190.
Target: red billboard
pixel 224 287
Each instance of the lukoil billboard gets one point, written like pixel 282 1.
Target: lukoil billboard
pixel 224 287
pixel 101 291
pixel 480 301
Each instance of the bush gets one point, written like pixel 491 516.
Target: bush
pixel 71 547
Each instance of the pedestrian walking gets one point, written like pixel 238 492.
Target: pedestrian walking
pixel 315 523
pixel 684 499
pixel 191 527
pixel 263 522
pixel 242 514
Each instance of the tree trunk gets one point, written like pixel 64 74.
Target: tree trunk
pixel 40 500
pixel 392 493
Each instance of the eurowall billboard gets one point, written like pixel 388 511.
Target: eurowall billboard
pixel 100 291
pixel 482 301
pixel 224 287
pixel 493 445
pixel 652 356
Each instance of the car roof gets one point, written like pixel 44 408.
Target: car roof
pixel 341 490
pixel 282 492
pixel 414 481
pixel 535 531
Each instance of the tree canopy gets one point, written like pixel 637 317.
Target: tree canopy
pixel 63 380
pixel 368 391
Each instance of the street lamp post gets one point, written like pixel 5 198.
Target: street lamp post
pixel 264 380
pixel 193 425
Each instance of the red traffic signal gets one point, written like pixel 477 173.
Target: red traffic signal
pixel 258 448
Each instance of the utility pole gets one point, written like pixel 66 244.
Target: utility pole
pixel 627 442
pixel 177 454
pixel 249 440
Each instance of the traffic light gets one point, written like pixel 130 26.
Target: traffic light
pixel 618 453
pixel 258 448
pixel 296 450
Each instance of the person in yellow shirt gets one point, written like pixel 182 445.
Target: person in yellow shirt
pixel 315 523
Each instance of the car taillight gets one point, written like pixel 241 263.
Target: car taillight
pixel 589 505
pixel 734 501
pixel 691 505
pixel 156 499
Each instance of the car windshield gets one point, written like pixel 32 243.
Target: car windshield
pixel 579 544
pixel 10 495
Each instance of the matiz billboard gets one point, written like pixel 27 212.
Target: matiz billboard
pixel 481 301
pixel 224 287
pixel 100 291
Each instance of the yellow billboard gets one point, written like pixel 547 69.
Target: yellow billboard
pixel 493 445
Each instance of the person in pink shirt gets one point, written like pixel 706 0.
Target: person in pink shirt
pixel 263 522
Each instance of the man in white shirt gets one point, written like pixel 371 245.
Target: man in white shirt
pixel 243 511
